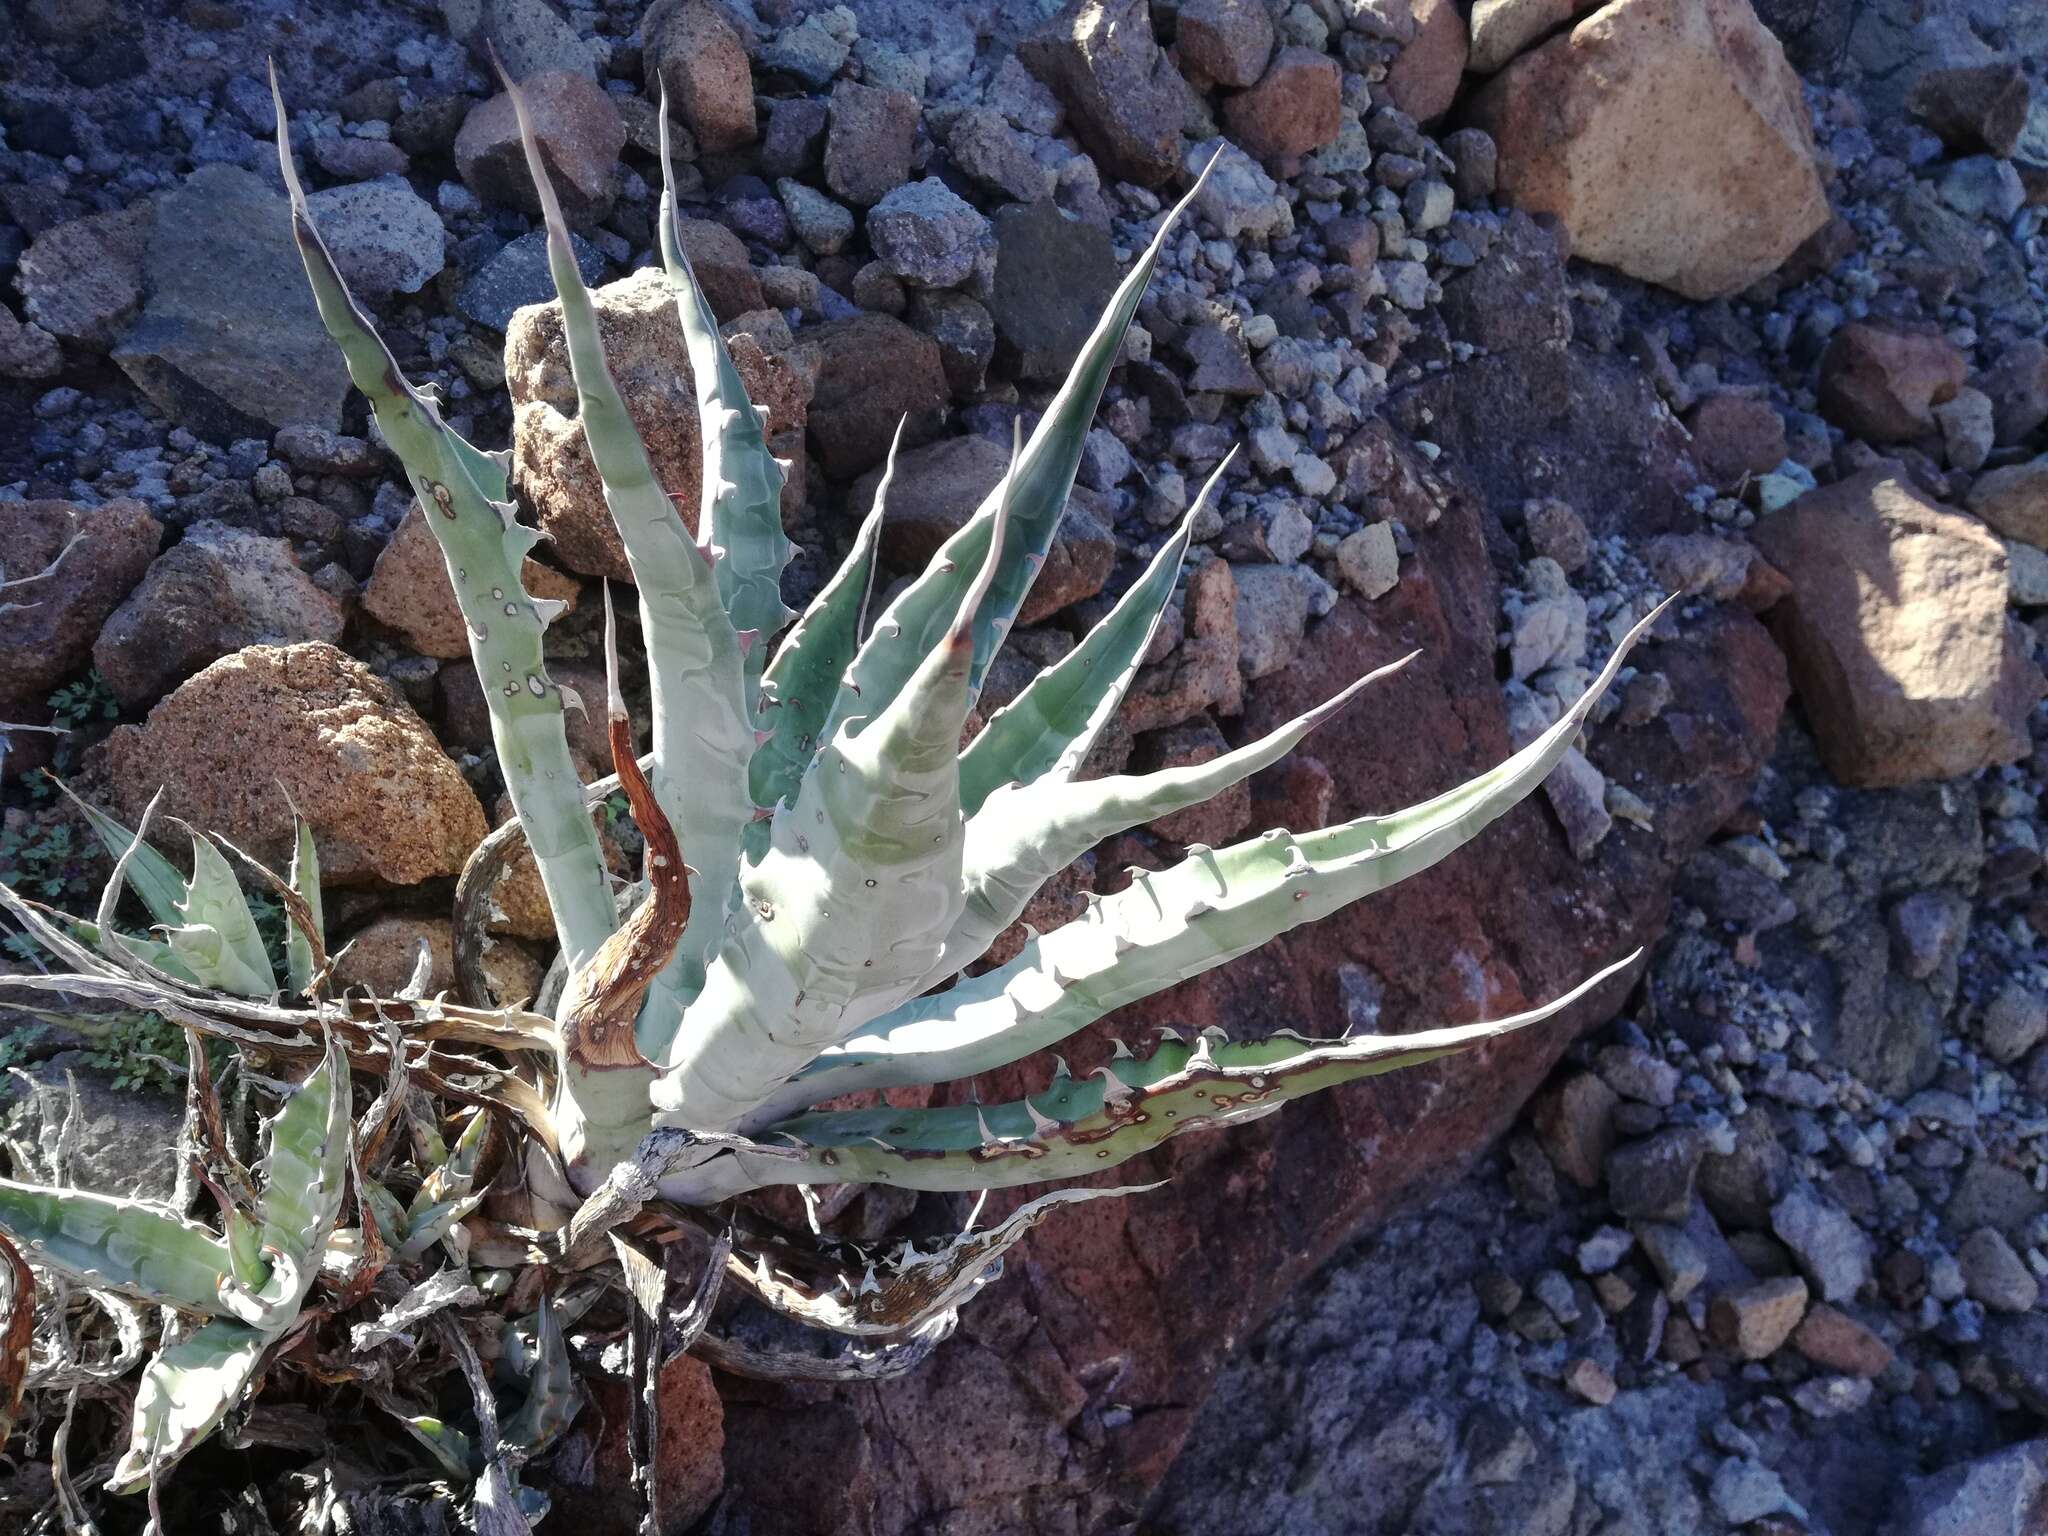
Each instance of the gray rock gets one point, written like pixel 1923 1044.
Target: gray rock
pixel 1679 1263
pixel 229 342
pixel 518 276
pixel 991 152
pixel 529 36
pixel 1054 276
pixel 1239 198
pixel 215 591
pixel 927 234
pixel 965 332
pixel 2015 1023
pixel 869 141
pixel 1745 1490
pixel 1830 1249
pixel 1927 928
pixel 1653 1178
pixel 823 225
pixel 1272 615
pixel 385 237
pixel 1995 1495
pixel 1369 560
pixel 121 1139
pixel 1995 1275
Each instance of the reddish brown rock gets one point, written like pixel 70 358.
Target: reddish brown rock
pixel 693 52
pixel 580 135
pixel 1224 41
pixel 1897 633
pixel 1574 1121
pixel 937 489
pixel 215 591
pixel 1202 672
pixel 380 958
pixel 1751 1323
pixel 1296 106
pixel 869 141
pixel 409 590
pixel 1734 438
pixel 1979 108
pixel 1835 1341
pixel 872 370
pixel 1423 79
pixel 1123 97
pixel 592 1476
pixel 551 467
pixel 2014 500
pixel 1215 822
pixel 68 567
pixel 235 747
pixel 1883 381
pixel 1671 139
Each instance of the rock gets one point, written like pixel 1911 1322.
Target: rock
pixel 1224 41
pixel 94 556
pixel 1369 561
pixel 580 134
pixel 1476 159
pixel 2018 386
pixel 360 159
pixel 1574 1121
pixel 551 467
pixel 380 957
pixel 1835 1341
pixel 1830 1249
pixel 114 1142
pixel 384 237
pixel 869 142
pixel 229 342
pixel 719 259
pixel 992 153
pixel 517 276
pixel 1501 29
pixel 1669 137
pixel 1680 1265
pixel 27 351
pixel 938 487
pixel 1744 1491
pixel 926 234
pixel 2015 1022
pixel 1221 362
pixel 965 332
pixel 1753 1321
pixel 1927 928
pixel 1557 532
pixel 1239 198
pixel 595 1476
pixel 1272 615
pixel 527 37
pixel 1883 381
pixel 1653 1178
pixel 1577 792
pixel 1202 672
pixel 1423 80
pixel 1124 100
pixel 2014 500
pixel 1590 1381
pixel 1216 822
pixel 1735 439
pixel 1054 277
pixel 409 590
pixel 309 723
pixel 823 225
pixel 1994 1274
pixel 1296 106
pixel 215 591
pixel 795 139
pixel 82 280
pixel 1999 1494
pixel 693 52
pixel 1897 633
pixel 1974 107
pixel 872 371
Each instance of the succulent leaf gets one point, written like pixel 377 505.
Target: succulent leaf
pixel 1175 923
pixel 150 875
pixel 742 505
pixel 703 728
pixel 305 879
pixel 304 1173
pixel 551 1397
pixel 1049 728
pixel 1037 485
pixel 215 934
pixel 186 1391
pixel 133 1247
pixel 462 491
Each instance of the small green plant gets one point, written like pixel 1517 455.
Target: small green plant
pixel 824 863
pixel 89 701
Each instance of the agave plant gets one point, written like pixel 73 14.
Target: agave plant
pixel 825 866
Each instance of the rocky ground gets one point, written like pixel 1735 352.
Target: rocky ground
pixel 1522 316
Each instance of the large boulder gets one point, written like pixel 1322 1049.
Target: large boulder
pixel 270 727
pixel 1054 277
pixel 410 591
pixel 1124 99
pixel 872 371
pixel 73 565
pixel 1669 136
pixel 1896 627
pixel 551 466
pixel 525 37
pixel 229 342
pixel 215 591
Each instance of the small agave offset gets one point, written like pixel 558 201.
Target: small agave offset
pixel 824 863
